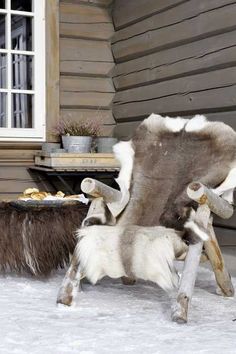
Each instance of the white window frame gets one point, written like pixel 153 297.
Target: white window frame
pixel 37 133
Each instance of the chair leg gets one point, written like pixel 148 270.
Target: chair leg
pixel 214 254
pixel 185 292
pixel 71 283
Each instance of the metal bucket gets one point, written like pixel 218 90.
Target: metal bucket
pixel 105 144
pixel 77 144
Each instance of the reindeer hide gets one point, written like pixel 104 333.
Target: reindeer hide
pixel 170 153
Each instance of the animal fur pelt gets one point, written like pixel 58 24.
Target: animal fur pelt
pixel 164 156
pixel 170 153
pixel 37 240
pixel 132 251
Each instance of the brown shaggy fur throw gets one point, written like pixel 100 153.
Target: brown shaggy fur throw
pixel 37 240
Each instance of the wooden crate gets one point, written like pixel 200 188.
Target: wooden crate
pixel 69 160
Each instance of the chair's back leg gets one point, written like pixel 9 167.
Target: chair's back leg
pixel 71 283
pixel 214 254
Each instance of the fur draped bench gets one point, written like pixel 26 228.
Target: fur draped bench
pixel 38 239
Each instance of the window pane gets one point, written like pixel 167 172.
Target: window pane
pixel 3 70
pixel 2 4
pixel 21 32
pixel 2 31
pixel 3 109
pixel 22 110
pixel 22 74
pixel 21 5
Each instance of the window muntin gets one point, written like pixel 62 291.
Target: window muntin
pixel 22 87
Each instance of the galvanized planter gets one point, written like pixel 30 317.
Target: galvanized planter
pixel 77 144
pixel 105 144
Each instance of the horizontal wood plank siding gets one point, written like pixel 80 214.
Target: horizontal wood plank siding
pixel 194 28
pixel 86 62
pixel 175 58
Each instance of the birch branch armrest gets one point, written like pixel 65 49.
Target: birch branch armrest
pixel 115 200
pixel 201 194
pixel 98 189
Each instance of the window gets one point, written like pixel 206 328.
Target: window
pixel 22 70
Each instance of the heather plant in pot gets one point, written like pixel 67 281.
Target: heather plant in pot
pixel 77 136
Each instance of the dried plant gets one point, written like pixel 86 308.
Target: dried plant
pixel 82 128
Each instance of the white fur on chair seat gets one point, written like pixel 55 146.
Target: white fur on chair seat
pixel 138 252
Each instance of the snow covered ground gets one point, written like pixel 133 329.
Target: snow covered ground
pixel 112 318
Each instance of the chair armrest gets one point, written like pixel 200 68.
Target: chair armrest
pixel 115 200
pixel 98 189
pixel 202 195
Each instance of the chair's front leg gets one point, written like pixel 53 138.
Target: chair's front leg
pixel 71 283
pixel 180 308
pixel 213 252
pixel 192 260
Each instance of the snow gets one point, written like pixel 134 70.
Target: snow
pixel 112 318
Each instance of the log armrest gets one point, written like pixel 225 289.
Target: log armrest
pixel 115 200
pixel 202 195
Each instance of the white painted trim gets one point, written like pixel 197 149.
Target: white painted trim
pixel 23 13
pixel 38 132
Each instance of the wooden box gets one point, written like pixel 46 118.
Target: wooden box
pixel 74 160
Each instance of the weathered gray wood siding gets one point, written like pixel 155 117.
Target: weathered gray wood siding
pixel 86 87
pixel 175 57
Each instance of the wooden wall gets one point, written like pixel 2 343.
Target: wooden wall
pixel 86 87
pixel 174 57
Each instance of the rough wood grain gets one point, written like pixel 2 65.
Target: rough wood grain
pixel 72 49
pixel 82 100
pixel 98 189
pixel 183 85
pixel 131 11
pixel 180 309
pixel 83 13
pixel 86 68
pixel 105 3
pixel 104 117
pixel 71 283
pixel 96 213
pixel 202 195
pixel 205 55
pixel 86 90
pixel 102 3
pixel 214 254
pixel 199 27
pixel 99 31
pixel 86 84
pixel 52 67
pixel 84 21
pixel 181 12
pixel 202 92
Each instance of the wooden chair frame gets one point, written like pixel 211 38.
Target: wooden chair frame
pixel 208 202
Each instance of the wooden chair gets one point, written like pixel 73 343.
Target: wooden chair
pixel 174 173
